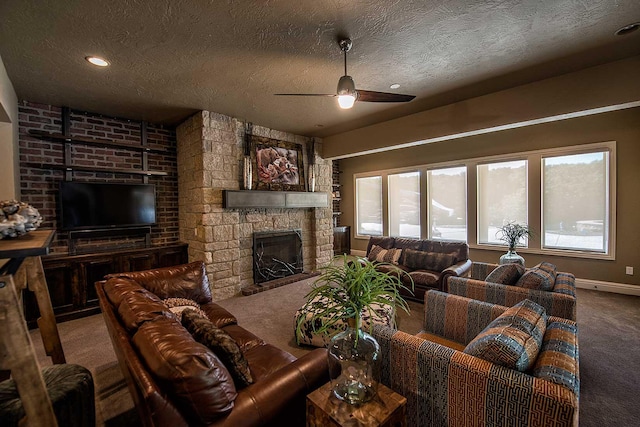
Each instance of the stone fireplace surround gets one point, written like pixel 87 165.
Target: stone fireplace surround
pixel 210 155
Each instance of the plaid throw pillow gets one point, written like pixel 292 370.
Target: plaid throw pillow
pixel 221 343
pixel 506 274
pixel 378 254
pixel 514 338
pixel 536 278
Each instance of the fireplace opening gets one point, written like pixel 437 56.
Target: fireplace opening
pixel 276 254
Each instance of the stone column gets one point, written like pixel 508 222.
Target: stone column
pixel 210 153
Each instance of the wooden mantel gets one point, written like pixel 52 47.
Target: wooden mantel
pixel 251 199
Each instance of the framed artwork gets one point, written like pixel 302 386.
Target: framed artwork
pixel 277 165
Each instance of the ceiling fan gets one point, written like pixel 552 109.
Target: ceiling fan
pixel 348 94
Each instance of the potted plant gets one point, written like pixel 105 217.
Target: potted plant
pixel 510 234
pixel 348 287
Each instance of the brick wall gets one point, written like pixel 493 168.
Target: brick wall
pixel 39 187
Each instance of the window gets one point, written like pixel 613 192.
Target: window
pixel 447 203
pixel 369 206
pixel 404 204
pixel 502 198
pixel 575 202
pixel 565 195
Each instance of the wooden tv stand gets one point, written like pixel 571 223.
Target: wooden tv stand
pixel 71 278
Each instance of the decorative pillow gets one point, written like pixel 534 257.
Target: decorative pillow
pixel 514 338
pixel 549 268
pixel 379 254
pixel 506 274
pixel 178 305
pixel 225 347
pixel 557 361
pixel 421 260
pixel 536 278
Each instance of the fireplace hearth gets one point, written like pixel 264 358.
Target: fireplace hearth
pixel 276 254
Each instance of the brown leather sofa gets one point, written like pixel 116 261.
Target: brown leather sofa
pixel 428 262
pixel 176 381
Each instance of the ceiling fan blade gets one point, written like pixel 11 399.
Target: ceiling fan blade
pixel 372 96
pixel 304 94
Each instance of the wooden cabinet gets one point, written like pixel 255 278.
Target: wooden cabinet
pixel 342 240
pixel 71 279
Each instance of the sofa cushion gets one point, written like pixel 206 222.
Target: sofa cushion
pixel 379 254
pixel 188 371
pixel 536 278
pixel 422 278
pixel 514 338
pixel 506 274
pixel 558 358
pixel 549 268
pixel 225 347
pixel 140 306
pixel 420 260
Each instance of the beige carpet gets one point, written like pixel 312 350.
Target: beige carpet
pixel 609 346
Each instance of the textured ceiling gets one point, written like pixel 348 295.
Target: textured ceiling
pixel 171 58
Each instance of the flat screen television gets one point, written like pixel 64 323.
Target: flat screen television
pixel 90 205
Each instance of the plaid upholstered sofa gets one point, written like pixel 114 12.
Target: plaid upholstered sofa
pixel 445 386
pixel 560 301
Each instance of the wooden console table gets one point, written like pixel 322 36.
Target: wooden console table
pixel 24 271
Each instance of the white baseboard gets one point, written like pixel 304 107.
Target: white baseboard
pixel 356 252
pixel 597 285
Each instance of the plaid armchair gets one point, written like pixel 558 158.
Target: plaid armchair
pixel 560 301
pixel 446 387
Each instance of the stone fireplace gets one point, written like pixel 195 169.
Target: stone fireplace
pixel 210 155
pixel 276 254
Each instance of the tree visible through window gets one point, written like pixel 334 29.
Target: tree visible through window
pixel 502 197
pixel 576 201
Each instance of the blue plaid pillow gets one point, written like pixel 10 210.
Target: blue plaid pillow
pixel 514 338
pixel 506 274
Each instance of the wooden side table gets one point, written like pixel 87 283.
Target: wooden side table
pixel 387 409
pixel 24 271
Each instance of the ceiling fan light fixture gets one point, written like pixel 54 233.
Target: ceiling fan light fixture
pixel 346 101
pixel 347 93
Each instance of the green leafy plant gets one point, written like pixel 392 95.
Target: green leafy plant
pixel 512 232
pixel 350 286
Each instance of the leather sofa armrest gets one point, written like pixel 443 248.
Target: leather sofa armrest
pixel 457 270
pixel 180 281
pixel 283 392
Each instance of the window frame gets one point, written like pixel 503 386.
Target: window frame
pixel 535 191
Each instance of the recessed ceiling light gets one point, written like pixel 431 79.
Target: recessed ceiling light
pixel 96 60
pixel 627 29
pixel 394 86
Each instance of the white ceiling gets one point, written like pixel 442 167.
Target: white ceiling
pixel 170 58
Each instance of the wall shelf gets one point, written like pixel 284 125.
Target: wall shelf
pixel 248 199
pixel 67 140
pixel 96 169
pixel 58 137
